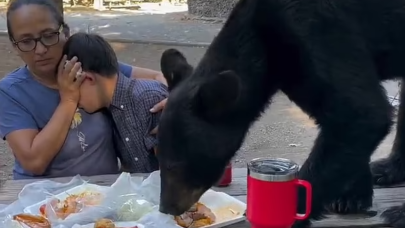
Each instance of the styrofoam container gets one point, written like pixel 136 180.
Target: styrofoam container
pixel 117 224
pixel 34 209
pixel 227 209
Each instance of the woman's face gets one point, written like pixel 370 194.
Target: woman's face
pixel 35 21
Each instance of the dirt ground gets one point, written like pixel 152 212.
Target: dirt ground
pixel 283 131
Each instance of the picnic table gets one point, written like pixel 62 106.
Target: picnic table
pixel 383 199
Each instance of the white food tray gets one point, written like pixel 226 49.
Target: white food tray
pixel 227 209
pixel 117 224
pixel 34 209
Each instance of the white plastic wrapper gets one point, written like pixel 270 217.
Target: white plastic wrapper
pixel 84 209
pixel 37 192
pixel 150 188
pixel 131 201
pixel 9 222
pixel 133 209
pixel 98 202
pixel 227 209
pixel 126 199
pixel 156 219
pixel 117 224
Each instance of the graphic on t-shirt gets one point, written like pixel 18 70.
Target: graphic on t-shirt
pixel 77 120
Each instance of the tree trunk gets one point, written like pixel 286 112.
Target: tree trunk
pixel 59 4
pixel 98 4
pixel 211 8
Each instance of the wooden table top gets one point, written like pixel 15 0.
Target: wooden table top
pixel 383 199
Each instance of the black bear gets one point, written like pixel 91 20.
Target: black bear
pixel 328 57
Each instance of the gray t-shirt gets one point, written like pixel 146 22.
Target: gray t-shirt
pixel 27 104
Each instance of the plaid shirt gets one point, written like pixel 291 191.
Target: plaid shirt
pixel 129 108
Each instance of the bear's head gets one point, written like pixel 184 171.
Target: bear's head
pixel 198 136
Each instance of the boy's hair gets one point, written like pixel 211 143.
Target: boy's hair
pixel 94 52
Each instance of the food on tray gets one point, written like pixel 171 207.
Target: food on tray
pixel 72 204
pixel 104 223
pixel 32 221
pixel 198 215
pixel 107 223
pixel 62 209
pixel 87 198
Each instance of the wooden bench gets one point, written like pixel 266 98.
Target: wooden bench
pixel 110 4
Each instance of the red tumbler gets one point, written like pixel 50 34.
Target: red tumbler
pixel 272 193
pixel 226 178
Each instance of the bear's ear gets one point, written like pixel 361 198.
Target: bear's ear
pixel 217 95
pixel 174 67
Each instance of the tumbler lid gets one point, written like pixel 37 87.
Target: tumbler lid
pixel 273 169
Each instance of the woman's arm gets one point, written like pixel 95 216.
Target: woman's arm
pixel 138 72
pixel 141 73
pixel 34 149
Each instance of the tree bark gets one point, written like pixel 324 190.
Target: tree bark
pixel 211 8
pixel 98 4
pixel 59 4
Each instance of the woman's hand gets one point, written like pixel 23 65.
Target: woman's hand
pixel 69 79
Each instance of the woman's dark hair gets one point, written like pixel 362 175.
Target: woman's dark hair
pixel 49 4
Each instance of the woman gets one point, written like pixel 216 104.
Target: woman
pixel 39 118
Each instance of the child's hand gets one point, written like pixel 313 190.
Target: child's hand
pixel 159 106
pixel 154 131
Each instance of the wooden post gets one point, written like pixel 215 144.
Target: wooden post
pixel 211 8
pixel 59 4
pixel 98 4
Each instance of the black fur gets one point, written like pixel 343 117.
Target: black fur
pixel 327 56
pixel 391 170
pixel 172 67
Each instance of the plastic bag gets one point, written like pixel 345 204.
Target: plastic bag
pixel 126 200
pixel 36 192
pixel 90 207
pixel 12 209
pixel 155 219
pixel 134 209
pixel 129 198
pixel 9 222
pixel 25 221
pixel 150 188
pixel 117 224
pixel 81 205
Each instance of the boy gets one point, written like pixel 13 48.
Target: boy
pixel 127 101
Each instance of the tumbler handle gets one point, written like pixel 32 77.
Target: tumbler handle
pixel 308 200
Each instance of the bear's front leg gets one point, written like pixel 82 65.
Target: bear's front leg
pixel 391 170
pixel 337 185
pixel 357 193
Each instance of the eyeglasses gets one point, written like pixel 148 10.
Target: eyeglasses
pixel 47 39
